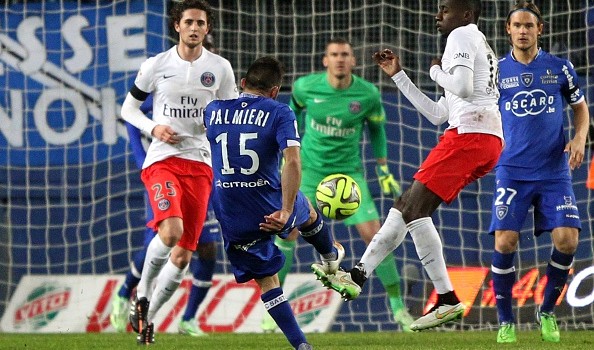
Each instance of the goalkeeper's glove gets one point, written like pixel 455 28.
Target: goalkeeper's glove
pixel 386 180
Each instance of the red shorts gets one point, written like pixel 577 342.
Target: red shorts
pixel 179 188
pixel 457 160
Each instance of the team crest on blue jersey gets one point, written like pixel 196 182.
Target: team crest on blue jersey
pixel 527 79
pixel 164 204
pixel 207 79
pixel 355 107
pixel 501 211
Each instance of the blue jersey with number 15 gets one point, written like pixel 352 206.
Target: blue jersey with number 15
pixel 247 136
pixel 532 101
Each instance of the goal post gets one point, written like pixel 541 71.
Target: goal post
pixel 71 201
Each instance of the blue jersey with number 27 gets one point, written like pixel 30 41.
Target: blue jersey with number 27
pixel 532 101
pixel 247 136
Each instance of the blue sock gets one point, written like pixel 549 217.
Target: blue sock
pixel 318 235
pixel 202 271
pixel 278 307
pixel 132 279
pixel 504 277
pixel 557 272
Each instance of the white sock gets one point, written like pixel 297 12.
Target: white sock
pixel 157 254
pixel 388 238
pixel 430 251
pixel 167 283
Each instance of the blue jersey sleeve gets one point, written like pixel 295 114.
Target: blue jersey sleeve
pixel 571 90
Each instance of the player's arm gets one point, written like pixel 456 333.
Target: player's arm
pixel 459 80
pixel 435 112
pixel 576 146
pixel 290 182
pixel 297 107
pixel 291 177
pixel 135 137
pixel 379 144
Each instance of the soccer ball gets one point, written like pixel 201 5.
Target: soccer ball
pixel 338 196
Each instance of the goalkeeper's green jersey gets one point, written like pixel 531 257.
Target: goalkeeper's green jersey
pixel 332 122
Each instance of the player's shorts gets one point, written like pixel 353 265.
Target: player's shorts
pixel 456 161
pixel 259 258
pixel 310 178
pixel 553 200
pixel 179 188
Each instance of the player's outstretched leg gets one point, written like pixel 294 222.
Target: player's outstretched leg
pixel 347 283
pixel 448 308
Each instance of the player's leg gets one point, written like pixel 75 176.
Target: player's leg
pixel 120 304
pixel 194 191
pixel 287 246
pixel 277 305
pixel 504 277
pixel 456 161
pixel 556 194
pixel 416 206
pixel 366 220
pixel 260 262
pixel 202 269
pixel 511 201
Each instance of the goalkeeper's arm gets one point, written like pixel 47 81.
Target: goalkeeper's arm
pixel 388 185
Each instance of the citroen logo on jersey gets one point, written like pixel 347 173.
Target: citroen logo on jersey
pixel 207 79
pixel 531 102
pixel 355 107
pixel 527 79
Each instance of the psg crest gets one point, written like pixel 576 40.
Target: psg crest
pixel 355 107
pixel 501 211
pixel 207 79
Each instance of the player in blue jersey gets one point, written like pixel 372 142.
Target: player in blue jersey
pixel 252 200
pixel 534 168
pixel 202 268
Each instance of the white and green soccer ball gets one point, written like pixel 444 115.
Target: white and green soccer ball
pixel 338 196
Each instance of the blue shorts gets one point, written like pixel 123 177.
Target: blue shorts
pixel 261 258
pixel 553 200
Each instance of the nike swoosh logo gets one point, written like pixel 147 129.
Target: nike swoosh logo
pixel 168 76
pixel 425 256
pixel 445 314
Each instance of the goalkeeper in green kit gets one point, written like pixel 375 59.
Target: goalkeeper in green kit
pixel 337 105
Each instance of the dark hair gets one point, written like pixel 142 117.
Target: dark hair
pixel 340 41
pixel 179 7
pixel 265 73
pixel 528 6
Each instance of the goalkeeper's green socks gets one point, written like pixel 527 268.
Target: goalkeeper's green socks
pixel 288 248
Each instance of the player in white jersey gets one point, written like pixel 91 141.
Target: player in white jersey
pixel 468 150
pixel 177 170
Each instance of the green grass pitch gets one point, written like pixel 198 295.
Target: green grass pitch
pixel 429 340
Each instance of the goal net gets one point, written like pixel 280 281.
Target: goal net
pixel 70 197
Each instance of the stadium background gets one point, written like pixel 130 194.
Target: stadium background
pixel 70 198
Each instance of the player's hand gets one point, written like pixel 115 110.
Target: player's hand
pixel 576 149
pixel 166 134
pixel 387 61
pixel 389 186
pixel 436 61
pixel 276 221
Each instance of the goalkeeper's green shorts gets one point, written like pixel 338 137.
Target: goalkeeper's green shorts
pixel 367 211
